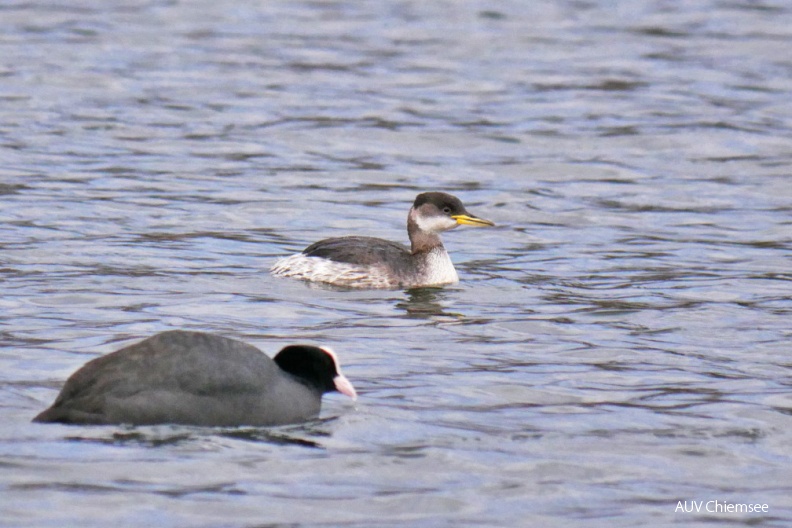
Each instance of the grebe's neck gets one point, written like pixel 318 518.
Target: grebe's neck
pixel 422 239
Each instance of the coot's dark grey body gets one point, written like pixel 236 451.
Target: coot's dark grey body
pixel 198 379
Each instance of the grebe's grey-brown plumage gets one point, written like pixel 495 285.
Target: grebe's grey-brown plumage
pixel 195 378
pixel 367 262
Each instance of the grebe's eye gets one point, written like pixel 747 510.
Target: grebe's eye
pixel 447 210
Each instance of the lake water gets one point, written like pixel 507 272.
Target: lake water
pixel 619 343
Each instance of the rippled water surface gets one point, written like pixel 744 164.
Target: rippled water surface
pixel 619 343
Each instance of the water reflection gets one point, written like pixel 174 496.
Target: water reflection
pixel 427 303
pixel 303 435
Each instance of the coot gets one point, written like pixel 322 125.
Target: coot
pixel 196 378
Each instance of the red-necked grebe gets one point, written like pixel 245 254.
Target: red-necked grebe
pixel 367 262
pixel 193 378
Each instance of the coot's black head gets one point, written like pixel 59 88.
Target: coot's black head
pixel 434 212
pixel 318 366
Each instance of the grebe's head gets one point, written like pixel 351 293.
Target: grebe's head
pixel 435 212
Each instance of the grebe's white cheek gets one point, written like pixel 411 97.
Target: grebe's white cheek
pixel 435 224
